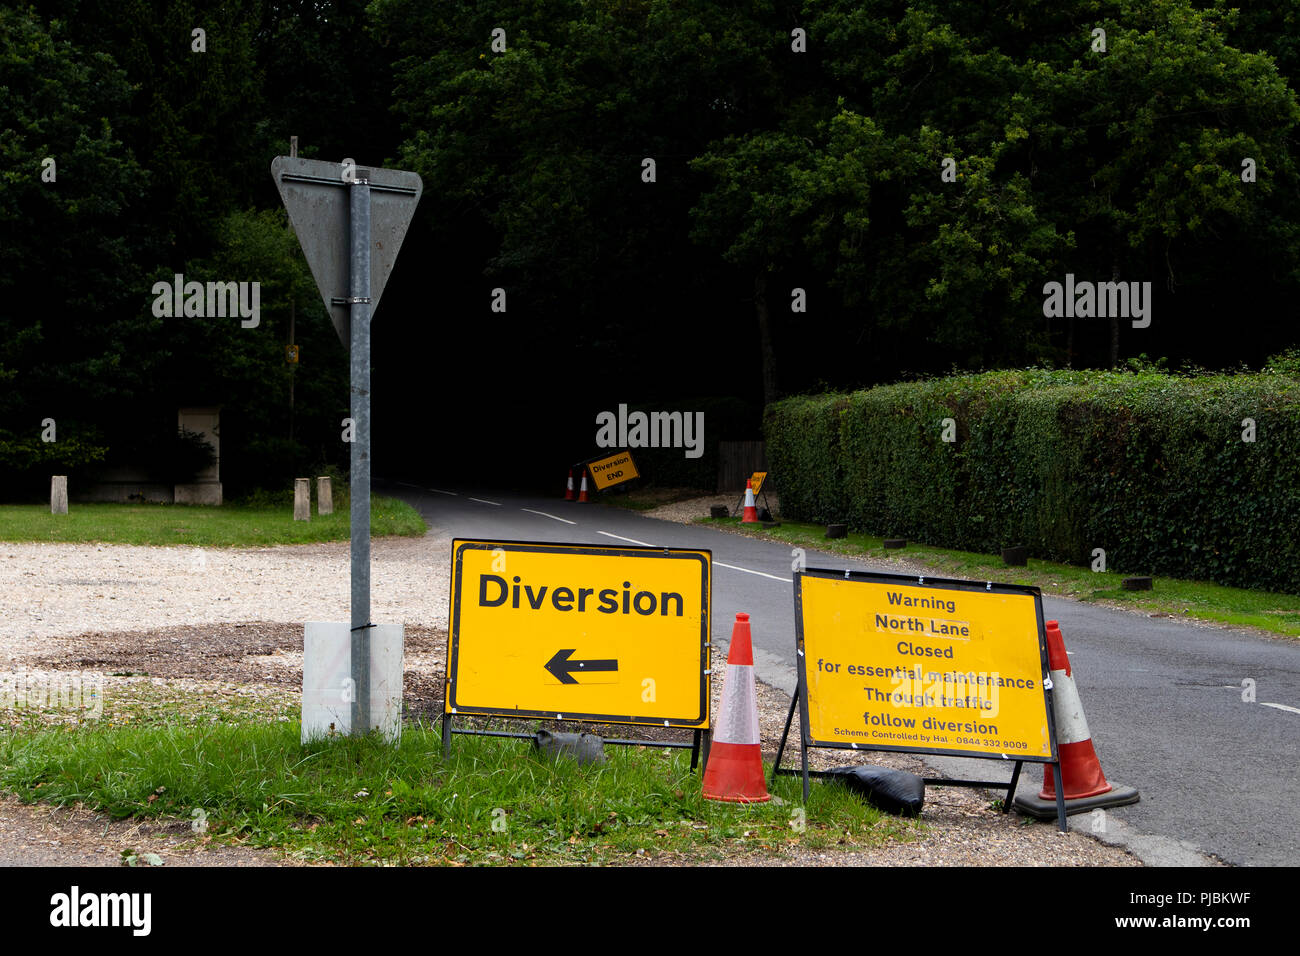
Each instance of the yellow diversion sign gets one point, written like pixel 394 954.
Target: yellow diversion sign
pixel 580 632
pixel 906 663
pixel 614 470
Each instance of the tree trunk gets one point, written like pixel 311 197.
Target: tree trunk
pixel 1114 277
pixel 767 354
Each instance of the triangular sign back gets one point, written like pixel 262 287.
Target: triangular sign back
pixel 316 195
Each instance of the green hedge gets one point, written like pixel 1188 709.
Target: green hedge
pixel 1151 467
pixel 27 462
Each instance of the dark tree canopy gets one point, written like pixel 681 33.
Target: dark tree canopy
pixel 919 169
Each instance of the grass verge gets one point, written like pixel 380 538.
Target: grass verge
pixel 230 525
pixel 1266 610
pixel 360 802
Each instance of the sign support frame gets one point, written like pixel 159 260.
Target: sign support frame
pixel 699 745
pixel 701 738
pixel 800 699
pixel 740 503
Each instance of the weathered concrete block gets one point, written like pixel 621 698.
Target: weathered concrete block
pixel 59 494
pixel 327 688
pixel 324 496
pixel 301 499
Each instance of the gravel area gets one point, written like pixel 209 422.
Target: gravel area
pixel 685 512
pixel 57 590
pixel 226 621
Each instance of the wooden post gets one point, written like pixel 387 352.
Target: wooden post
pixel 301 499
pixel 59 494
pixel 324 496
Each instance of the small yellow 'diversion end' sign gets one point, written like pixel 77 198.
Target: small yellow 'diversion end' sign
pixel 756 479
pixel 941 666
pixel 580 632
pixel 613 470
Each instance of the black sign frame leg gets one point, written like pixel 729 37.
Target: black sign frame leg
pixel 699 745
pixel 1011 787
pixel 1060 796
pixel 805 727
pixel 785 734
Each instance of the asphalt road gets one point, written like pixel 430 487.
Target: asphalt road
pixel 1163 697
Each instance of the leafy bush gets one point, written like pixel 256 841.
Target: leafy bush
pixel 185 456
pixel 1158 470
pixel 27 462
pixel 1284 363
pixel 272 463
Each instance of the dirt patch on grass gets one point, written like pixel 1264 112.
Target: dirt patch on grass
pixel 262 653
pixel 39 835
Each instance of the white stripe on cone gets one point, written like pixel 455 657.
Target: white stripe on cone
pixel 738 719
pixel 1071 724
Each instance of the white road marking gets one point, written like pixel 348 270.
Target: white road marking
pixel 719 564
pixel 1287 707
pixel 545 515
pixel 483 501
pixel 439 491
pixel 629 540
pixel 761 574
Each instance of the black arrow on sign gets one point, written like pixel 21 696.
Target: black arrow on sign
pixel 562 667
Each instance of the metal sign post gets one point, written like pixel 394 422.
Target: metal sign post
pixel 359 475
pixel 351 247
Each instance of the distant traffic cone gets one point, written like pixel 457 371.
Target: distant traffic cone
pixel 735 768
pixel 1085 786
pixel 582 492
pixel 751 513
pixel 568 491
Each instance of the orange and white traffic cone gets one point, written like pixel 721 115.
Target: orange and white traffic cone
pixel 735 768
pixel 1085 786
pixel 582 492
pixel 751 513
pixel 568 491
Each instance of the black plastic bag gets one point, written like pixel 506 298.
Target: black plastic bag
pixel 893 791
pixel 584 748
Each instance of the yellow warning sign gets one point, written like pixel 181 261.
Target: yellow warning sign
pixel 613 470
pixel 580 632
pixel 904 663
pixel 756 479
